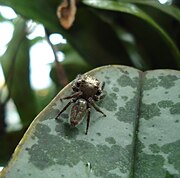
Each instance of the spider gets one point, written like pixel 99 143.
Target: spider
pixel 86 91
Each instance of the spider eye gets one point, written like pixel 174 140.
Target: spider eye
pixel 98 92
pixel 78 83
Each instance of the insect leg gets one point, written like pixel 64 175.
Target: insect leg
pixel 96 107
pixel 103 84
pixel 65 107
pixel 88 119
pixel 77 94
pixel 102 96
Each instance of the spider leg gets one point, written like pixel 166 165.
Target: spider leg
pixel 102 96
pixel 97 98
pixel 103 84
pixel 77 94
pixel 88 119
pixel 96 107
pixel 65 107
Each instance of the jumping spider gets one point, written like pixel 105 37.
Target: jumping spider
pixel 87 90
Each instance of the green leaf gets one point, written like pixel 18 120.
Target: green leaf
pixel 93 42
pixel 15 64
pixel 2 19
pixel 140 136
pixel 8 143
pixel 168 9
pixel 135 11
pixel 93 39
pixel 158 140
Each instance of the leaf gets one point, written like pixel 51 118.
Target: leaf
pixel 171 10
pixel 140 136
pixel 135 11
pixel 15 64
pixel 158 140
pixel 8 143
pixel 93 42
pixel 167 16
pixel 93 38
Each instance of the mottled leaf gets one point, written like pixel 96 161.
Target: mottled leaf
pixel 138 138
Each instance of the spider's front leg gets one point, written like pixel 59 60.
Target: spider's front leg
pixel 103 85
pixel 65 107
pixel 102 95
pixel 74 96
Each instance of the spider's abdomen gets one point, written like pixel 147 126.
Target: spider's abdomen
pixel 77 112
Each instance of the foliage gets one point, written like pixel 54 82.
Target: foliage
pixel 143 34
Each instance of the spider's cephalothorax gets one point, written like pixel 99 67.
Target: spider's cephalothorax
pixel 87 90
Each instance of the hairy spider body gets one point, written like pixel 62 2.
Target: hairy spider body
pixel 77 112
pixel 86 91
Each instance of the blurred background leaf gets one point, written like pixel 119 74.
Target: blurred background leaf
pixel 15 64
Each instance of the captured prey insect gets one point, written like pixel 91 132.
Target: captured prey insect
pixel 87 90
